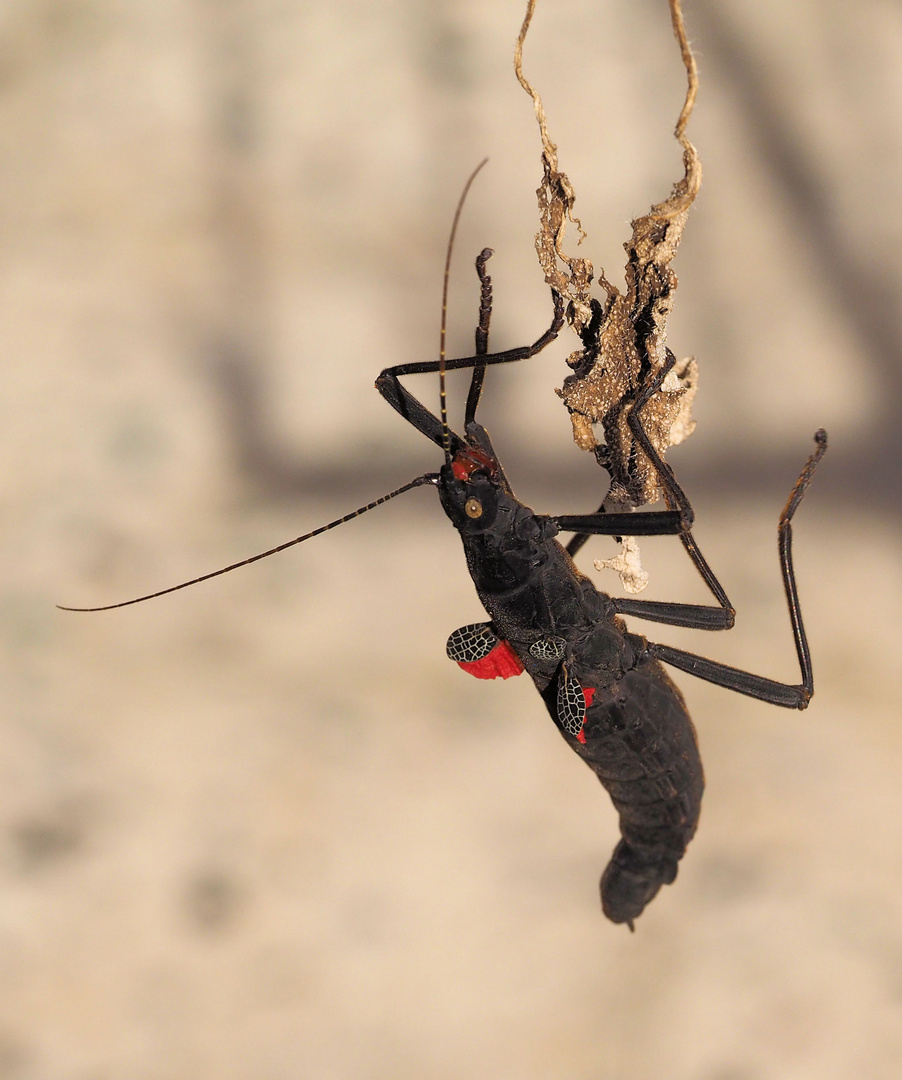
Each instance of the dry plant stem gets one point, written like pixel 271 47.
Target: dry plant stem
pixel 623 340
pixel 556 198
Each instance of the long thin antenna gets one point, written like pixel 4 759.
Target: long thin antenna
pixel 446 431
pixel 427 478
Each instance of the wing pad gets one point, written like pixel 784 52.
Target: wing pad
pixel 481 653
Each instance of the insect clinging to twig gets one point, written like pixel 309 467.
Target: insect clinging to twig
pixel 604 687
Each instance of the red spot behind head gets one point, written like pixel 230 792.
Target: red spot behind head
pixel 469 459
pixel 501 663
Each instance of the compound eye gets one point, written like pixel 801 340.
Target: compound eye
pixel 473 508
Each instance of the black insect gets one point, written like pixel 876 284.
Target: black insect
pixel 604 687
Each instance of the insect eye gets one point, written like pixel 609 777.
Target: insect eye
pixel 473 508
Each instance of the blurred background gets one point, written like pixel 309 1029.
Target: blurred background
pixel 263 828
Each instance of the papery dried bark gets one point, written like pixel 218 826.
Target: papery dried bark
pixel 623 340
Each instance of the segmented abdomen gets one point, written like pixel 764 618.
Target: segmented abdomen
pixel 637 737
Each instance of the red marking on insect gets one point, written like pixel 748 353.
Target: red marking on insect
pixel 501 663
pixel 469 459
pixel 588 694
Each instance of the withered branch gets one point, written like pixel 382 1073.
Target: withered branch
pixel 623 339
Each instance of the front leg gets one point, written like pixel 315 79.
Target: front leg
pixel 389 386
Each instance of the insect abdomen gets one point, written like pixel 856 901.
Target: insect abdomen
pixel 640 742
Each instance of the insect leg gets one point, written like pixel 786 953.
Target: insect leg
pixel 744 682
pixel 697 616
pixel 693 616
pixel 672 521
pixel 659 523
pixel 482 334
pixel 703 617
pixel 674 495
pixel 676 521
pixel 655 523
pixel 416 413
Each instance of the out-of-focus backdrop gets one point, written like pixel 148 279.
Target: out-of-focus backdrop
pixel 264 829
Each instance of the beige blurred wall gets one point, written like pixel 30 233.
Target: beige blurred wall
pixel 263 829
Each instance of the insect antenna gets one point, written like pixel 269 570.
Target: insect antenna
pixel 427 478
pixel 446 431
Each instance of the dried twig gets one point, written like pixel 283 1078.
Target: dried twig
pixel 623 340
